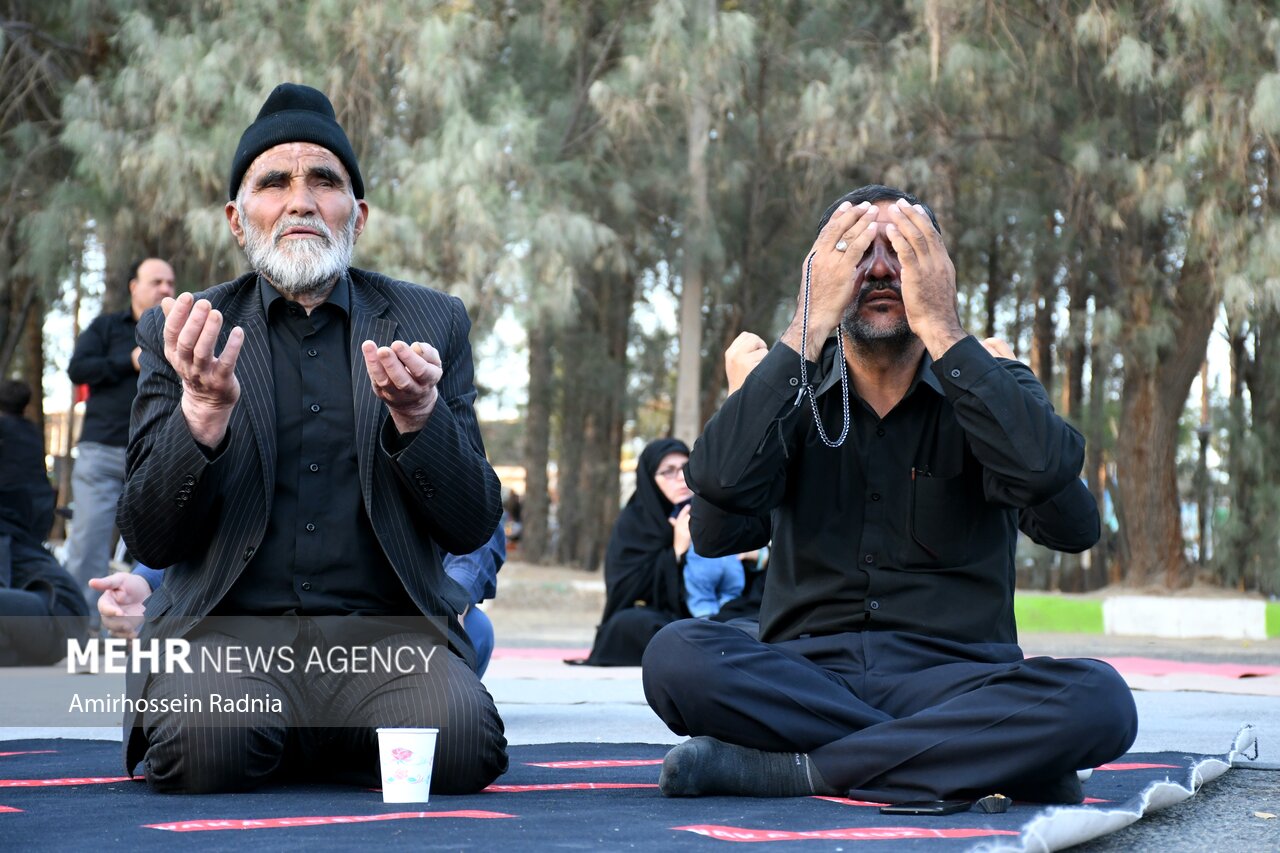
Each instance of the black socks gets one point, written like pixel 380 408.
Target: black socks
pixel 705 766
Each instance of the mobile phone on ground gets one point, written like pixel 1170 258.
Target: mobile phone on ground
pixel 928 807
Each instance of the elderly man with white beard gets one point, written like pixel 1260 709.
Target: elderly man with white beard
pixel 303 447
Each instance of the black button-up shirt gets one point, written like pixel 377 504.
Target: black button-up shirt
pixel 319 555
pixel 911 525
pixel 103 360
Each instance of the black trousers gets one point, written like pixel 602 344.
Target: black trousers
pixel 325 727
pixel 893 716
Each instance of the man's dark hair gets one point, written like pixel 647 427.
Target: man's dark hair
pixel 14 396
pixel 134 267
pixel 874 193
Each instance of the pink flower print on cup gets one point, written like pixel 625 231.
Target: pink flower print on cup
pixel 409 766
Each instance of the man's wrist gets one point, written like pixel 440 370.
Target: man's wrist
pixel 817 337
pixel 938 340
pixel 410 422
pixel 208 426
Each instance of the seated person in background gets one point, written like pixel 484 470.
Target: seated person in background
pixel 477 573
pixel 711 582
pixel 124 594
pixel 33 585
pixel 643 562
pixel 714 583
pixel 887 666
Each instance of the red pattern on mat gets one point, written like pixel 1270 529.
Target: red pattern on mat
pixel 851 833
pixel 565 786
pixel 502 653
pixel 587 765
pixel 57 783
pixel 844 801
pixel 1156 666
pixel 1138 767
pixel 29 752
pixel 8 810
pixel 318 820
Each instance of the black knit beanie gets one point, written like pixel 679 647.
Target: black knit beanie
pixel 294 113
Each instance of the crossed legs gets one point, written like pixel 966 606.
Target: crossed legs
pixel 892 716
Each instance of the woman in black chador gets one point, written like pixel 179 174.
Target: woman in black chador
pixel 642 567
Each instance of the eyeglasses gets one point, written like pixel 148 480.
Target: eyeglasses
pixel 671 473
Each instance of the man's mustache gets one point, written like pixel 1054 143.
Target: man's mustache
pixel 873 288
pixel 315 224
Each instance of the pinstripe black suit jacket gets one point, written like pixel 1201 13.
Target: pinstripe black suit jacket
pixel 204 518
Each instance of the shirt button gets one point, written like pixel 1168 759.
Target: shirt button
pixel 314 467
pixel 955 373
pixel 306 586
pixel 875 496
pixel 312 353
pixel 875 605
pixel 880 431
pixel 315 407
pixel 248 553
pixel 869 559
pixel 311 528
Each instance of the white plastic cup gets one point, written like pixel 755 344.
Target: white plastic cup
pixel 405 757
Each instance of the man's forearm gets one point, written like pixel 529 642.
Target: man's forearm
pixel 1030 454
pixel 738 464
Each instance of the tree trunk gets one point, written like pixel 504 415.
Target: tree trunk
pixel 1263 377
pixel 1043 298
pixel 697 230
pixel 1155 392
pixel 1236 553
pixel 1095 466
pixel 25 304
pixel 1075 348
pixel 1146 471
pixel 603 438
pixel 593 395
pixel 994 289
pixel 537 445
pixel 33 364
pixel 573 405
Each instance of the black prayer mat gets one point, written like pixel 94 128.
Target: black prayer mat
pixel 70 794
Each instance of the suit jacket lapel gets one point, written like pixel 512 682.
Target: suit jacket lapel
pixel 368 323
pixel 253 369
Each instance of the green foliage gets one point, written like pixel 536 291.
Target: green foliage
pixel 1115 160
pixel 1056 614
pixel 1265 114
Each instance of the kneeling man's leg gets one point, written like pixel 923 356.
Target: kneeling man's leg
pixel 471 749
pixel 197 743
pixel 1021 728
pixel 757 709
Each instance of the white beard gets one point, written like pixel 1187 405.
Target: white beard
pixel 301 266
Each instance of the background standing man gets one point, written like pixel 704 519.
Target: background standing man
pixel 106 359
